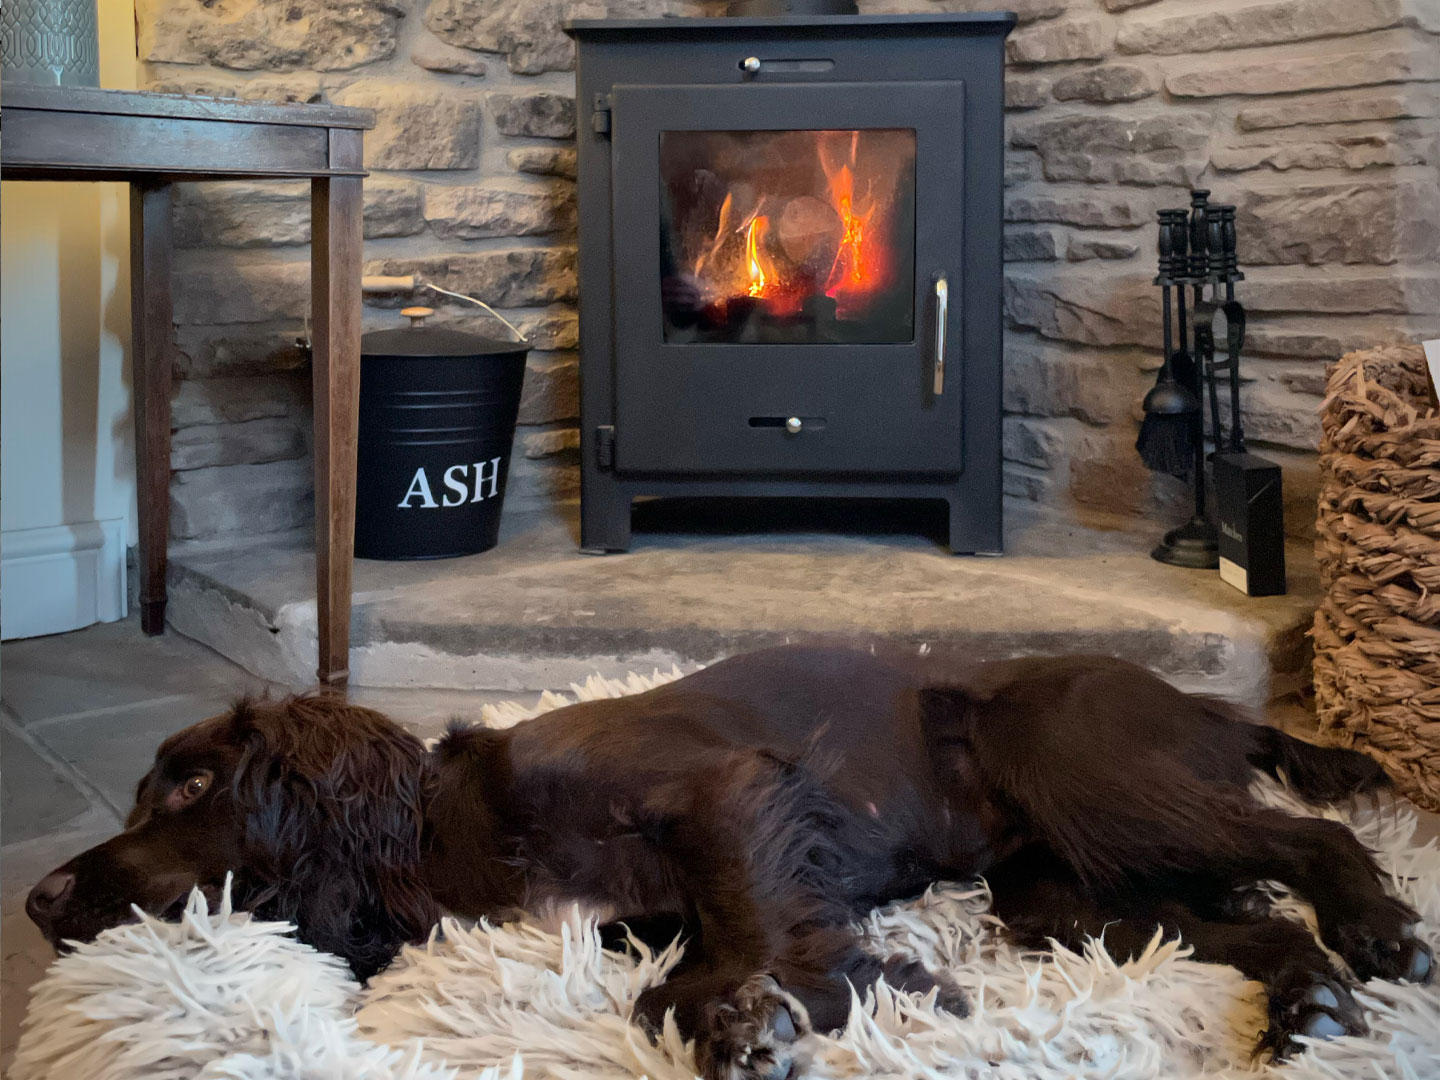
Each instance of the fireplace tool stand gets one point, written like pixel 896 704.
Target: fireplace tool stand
pixel 1195 544
pixel 1196 248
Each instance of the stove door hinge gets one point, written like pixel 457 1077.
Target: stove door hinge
pixel 605 447
pixel 600 114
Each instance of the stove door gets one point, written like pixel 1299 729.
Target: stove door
pixel 787 273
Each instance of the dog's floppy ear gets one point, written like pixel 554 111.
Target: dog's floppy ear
pixel 333 800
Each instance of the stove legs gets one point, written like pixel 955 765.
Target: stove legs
pixel 973 533
pixel 604 522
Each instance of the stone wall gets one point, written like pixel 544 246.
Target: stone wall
pixel 1317 117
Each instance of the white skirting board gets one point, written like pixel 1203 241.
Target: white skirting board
pixel 61 577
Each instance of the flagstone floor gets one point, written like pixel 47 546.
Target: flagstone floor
pixel 80 717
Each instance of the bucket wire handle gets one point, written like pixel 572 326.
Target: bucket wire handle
pixel 422 284
pixel 411 282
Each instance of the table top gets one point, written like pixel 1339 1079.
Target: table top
pixel 82 133
pixel 85 99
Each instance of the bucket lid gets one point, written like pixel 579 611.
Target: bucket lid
pixel 419 340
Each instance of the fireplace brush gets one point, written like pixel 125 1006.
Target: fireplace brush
pixel 1167 440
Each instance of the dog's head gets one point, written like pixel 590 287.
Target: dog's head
pixel 316 806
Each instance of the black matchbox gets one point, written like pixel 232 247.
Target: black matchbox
pixel 1251 521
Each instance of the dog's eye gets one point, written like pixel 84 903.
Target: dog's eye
pixel 194 786
pixel 189 789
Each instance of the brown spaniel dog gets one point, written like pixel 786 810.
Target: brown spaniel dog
pixel 761 805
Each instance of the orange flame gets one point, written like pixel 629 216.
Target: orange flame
pixel 723 229
pixel 772 263
pixel 754 236
pixel 852 270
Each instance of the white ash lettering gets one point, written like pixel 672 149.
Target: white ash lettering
pixel 457 483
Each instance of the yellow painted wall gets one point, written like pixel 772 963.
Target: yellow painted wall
pixel 66 444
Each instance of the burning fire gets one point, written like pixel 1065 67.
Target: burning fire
pixel 851 268
pixel 787 246
pixel 723 228
pixel 754 237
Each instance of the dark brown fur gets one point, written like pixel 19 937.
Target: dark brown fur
pixel 762 805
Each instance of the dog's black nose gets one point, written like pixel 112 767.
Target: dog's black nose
pixel 48 898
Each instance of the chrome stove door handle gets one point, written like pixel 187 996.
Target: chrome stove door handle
pixel 942 320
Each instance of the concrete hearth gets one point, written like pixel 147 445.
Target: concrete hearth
pixel 703 582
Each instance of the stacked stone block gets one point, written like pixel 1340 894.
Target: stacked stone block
pixel 1319 119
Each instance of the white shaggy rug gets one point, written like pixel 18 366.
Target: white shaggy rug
pixel 220 996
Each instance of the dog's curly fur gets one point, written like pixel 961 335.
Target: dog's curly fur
pixel 761 806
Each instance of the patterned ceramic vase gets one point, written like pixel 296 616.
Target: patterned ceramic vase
pixel 50 42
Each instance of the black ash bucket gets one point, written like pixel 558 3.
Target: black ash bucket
pixel 437 420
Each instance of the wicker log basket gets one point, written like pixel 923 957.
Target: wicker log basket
pixel 1377 632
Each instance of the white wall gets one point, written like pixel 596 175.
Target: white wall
pixel 66 441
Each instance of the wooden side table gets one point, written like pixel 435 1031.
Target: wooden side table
pixel 152 141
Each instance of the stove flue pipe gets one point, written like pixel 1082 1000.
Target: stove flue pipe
pixel 768 8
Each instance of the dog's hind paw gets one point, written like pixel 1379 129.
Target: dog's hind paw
pixel 751 1035
pixel 1392 958
pixel 1384 946
pixel 908 974
pixel 1321 1009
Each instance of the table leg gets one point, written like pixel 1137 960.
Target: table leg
pixel 335 313
pixel 151 328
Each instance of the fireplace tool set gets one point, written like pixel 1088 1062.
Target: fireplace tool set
pixel 1243 535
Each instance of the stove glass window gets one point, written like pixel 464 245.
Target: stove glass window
pixel 788 237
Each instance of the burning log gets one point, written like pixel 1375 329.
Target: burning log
pixel 800 216
pixel 808 232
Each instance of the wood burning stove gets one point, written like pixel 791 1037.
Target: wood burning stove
pixel 790 274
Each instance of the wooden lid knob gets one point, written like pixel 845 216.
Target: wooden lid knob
pixel 417 315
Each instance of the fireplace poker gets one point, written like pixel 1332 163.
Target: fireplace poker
pixel 1249 496
pixel 1200 273
pixel 1224 264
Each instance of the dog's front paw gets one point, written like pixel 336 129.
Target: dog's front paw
pixel 1383 945
pixel 751 1035
pixel 1319 1007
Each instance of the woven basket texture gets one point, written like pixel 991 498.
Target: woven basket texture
pixel 1377 631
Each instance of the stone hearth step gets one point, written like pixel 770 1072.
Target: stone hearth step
pixel 709 580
